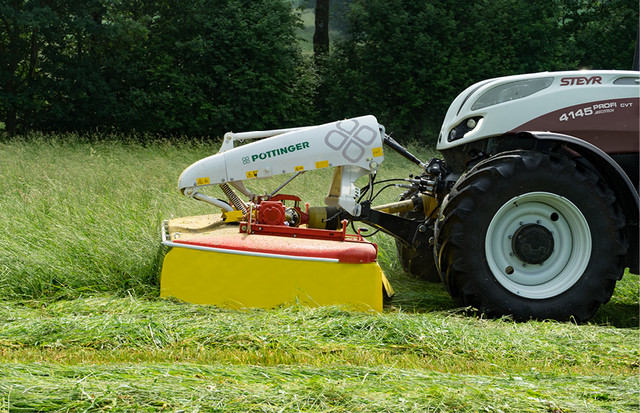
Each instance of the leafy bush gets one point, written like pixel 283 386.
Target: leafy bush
pixel 405 61
pixel 188 68
pixel 161 67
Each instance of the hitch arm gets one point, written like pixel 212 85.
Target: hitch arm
pixel 412 233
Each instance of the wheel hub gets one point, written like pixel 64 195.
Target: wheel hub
pixel 532 243
pixel 555 235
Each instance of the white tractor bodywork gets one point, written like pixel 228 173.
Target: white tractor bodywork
pixel 559 101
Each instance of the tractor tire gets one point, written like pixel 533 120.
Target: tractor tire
pixel 531 235
pixel 419 263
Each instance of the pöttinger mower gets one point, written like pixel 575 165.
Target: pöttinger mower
pixel 532 211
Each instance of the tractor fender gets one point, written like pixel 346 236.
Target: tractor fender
pixel 617 180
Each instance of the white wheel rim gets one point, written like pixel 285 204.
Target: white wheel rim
pixel 567 262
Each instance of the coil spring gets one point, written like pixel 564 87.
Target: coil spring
pixel 234 199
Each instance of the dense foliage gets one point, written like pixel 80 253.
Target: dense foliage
pixel 406 60
pixel 203 67
pixel 164 66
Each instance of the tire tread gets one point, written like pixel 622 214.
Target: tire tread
pixel 466 197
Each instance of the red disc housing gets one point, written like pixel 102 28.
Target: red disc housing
pixel 271 213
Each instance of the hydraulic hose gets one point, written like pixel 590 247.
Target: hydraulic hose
pixel 390 142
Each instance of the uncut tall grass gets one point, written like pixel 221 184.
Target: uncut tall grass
pixel 83 214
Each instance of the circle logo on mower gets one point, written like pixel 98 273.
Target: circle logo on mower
pixel 350 138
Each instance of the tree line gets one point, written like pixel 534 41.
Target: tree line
pixel 204 67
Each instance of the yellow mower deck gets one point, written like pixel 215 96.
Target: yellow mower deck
pixel 213 263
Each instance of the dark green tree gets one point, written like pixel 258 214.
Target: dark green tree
pixel 90 72
pixel 236 66
pixel 160 66
pixel 26 27
pixel 405 61
pixel 321 33
pixel 600 34
pixel 395 63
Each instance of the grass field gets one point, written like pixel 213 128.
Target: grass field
pixel 81 327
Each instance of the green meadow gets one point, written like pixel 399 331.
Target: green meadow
pixel 82 327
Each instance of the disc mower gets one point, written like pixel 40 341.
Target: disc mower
pixel 532 210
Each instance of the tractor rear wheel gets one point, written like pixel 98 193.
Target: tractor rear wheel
pixel 532 235
pixel 418 262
